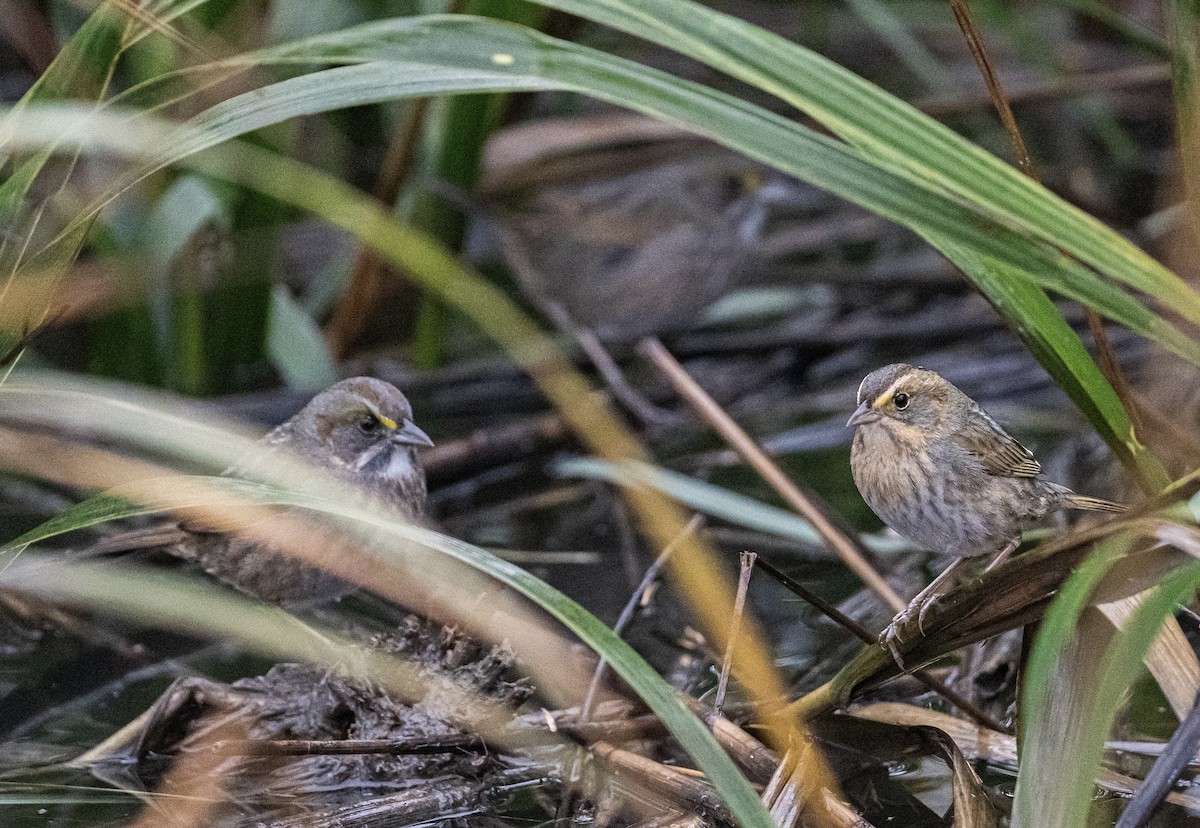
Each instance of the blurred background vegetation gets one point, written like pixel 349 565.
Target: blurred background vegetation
pixel 242 202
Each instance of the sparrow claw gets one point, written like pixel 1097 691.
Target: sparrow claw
pixel 892 636
pixel 926 605
pixel 891 639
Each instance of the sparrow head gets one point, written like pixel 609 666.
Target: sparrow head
pixel 363 427
pixel 905 395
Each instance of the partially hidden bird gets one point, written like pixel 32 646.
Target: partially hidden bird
pixel 935 467
pixel 641 253
pixel 638 253
pixel 360 432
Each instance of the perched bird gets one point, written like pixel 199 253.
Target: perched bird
pixel 359 431
pixel 940 471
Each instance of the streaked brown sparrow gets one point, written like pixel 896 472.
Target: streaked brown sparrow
pixel 940 471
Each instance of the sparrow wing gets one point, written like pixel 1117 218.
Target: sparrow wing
pixel 264 453
pixel 994 448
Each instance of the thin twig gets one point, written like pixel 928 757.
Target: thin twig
pixel 1109 364
pixel 351 314
pixel 838 617
pixel 735 629
pixel 847 549
pixel 635 600
pixel 975 42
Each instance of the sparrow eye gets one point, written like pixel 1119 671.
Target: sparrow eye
pixel 368 425
pixel 900 401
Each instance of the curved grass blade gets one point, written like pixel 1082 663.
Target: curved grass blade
pixel 466 54
pixel 499 318
pixel 690 732
pixel 888 131
pixel 532 60
pixel 732 507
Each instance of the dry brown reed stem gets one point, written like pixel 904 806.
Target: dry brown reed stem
pixel 491 446
pixel 681 789
pixel 755 759
pixel 1012 596
pixel 981 745
pixel 735 628
pixel 846 622
pixel 790 801
pixel 741 442
pixel 351 314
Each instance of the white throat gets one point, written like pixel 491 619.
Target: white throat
pixel 399 466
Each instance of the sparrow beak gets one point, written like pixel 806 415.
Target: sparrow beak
pixel 409 434
pixel 863 414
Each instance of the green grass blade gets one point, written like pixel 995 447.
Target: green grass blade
pixel 1059 350
pixel 732 507
pixel 531 60
pixel 690 732
pixel 888 131
pixel 1078 675
pixel 295 344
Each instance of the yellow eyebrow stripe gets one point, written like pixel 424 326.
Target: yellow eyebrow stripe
pixel 886 397
pixel 387 421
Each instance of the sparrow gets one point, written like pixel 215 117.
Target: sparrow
pixel 639 253
pixel 935 467
pixel 359 431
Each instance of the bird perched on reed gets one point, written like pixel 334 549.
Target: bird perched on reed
pixel 940 471
pixel 360 432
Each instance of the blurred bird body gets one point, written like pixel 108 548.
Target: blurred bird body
pixel 940 471
pixel 641 253
pixel 359 432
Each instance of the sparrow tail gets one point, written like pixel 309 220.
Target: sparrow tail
pixel 1094 504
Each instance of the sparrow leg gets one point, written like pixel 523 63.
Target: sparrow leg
pixel 931 599
pixel 1004 554
pixel 891 636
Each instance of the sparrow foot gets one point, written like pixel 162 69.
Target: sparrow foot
pixel 901 628
pixel 931 600
pixel 891 639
